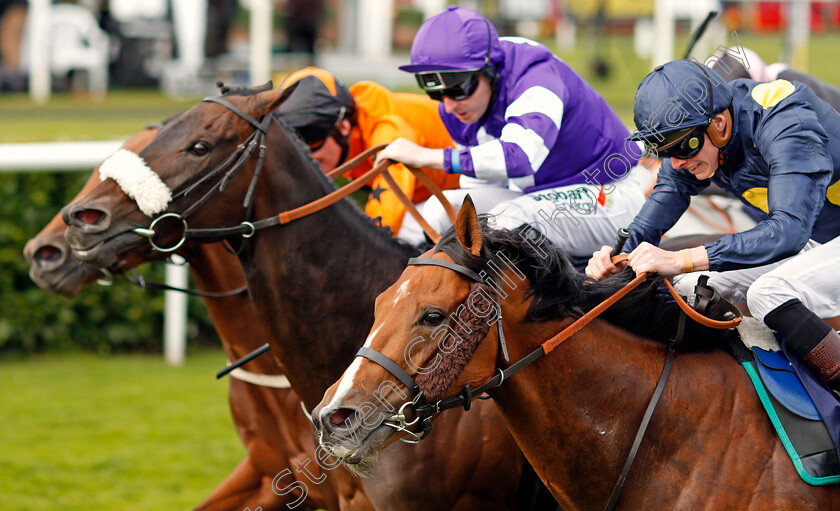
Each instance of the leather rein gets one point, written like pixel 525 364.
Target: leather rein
pixel 425 412
pixel 246 229
pixel 234 162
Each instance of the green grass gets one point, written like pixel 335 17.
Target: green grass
pixel 108 433
pixel 76 117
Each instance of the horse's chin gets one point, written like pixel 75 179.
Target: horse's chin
pixel 360 459
pixel 67 282
pixel 107 253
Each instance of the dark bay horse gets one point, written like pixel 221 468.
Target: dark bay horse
pixel 269 421
pixel 51 265
pixel 574 411
pixel 311 281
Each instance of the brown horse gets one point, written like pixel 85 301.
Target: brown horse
pixel 575 411
pixel 312 283
pixel 269 421
pixel 51 264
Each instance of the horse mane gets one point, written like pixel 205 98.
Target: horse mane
pixel 559 291
pixel 382 236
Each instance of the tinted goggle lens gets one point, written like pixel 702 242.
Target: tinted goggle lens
pixel 685 146
pixel 314 137
pixel 457 85
pixel 314 146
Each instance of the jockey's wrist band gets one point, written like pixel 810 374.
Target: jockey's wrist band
pixel 455 161
pixel 688 266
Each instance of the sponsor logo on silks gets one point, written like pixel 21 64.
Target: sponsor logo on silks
pixel 581 200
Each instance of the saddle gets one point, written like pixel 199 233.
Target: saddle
pixel 809 440
pixel 803 410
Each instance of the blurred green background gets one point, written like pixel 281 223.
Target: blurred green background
pixel 122 318
pixel 97 431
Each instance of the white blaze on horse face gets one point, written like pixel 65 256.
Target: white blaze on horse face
pixel 348 379
pixel 402 292
pixel 137 180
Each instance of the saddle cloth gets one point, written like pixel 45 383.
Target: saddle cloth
pixel 803 411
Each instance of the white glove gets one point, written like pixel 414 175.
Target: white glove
pixel 407 152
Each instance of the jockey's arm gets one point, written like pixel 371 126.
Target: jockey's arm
pixel 407 152
pixel 650 259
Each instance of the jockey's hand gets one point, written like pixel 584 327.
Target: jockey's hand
pixel 407 152
pixel 600 266
pixel 651 259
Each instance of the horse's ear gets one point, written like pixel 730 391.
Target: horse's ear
pixel 275 98
pixel 264 87
pixel 466 227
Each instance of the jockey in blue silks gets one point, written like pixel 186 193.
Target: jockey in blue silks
pixel 776 146
pixel 534 142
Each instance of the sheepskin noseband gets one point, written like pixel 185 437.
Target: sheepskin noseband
pixel 137 180
pixel 461 338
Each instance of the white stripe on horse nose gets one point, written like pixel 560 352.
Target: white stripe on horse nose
pixel 137 180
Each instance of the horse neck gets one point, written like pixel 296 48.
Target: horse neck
pixel 590 394
pixel 215 270
pixel 313 281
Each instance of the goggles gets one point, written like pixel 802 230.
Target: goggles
pixel 681 145
pixel 316 136
pixel 317 144
pixel 686 143
pixel 457 85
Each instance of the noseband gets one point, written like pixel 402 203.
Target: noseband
pixel 466 395
pixel 424 412
pixel 243 152
pixel 230 166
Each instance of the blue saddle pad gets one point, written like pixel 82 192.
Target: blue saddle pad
pixel 785 387
pixel 781 380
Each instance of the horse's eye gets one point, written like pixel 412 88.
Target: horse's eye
pixel 200 148
pixel 432 318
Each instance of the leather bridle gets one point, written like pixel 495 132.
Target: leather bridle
pixel 424 412
pixel 243 152
pixel 466 395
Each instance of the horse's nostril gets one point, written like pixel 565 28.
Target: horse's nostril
pixel 47 253
pixel 89 216
pixel 340 416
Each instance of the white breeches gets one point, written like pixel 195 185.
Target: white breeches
pixel 810 276
pixel 578 218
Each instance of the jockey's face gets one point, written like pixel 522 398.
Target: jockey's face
pixel 471 109
pixel 703 164
pixel 328 155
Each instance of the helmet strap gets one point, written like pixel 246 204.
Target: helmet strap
pixel 489 70
pixel 340 138
pixel 721 138
pixel 343 142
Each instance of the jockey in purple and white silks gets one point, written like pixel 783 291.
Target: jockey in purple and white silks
pixel 534 142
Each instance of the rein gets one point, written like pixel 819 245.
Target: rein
pixel 139 281
pixel 424 412
pixel 234 162
pixel 465 397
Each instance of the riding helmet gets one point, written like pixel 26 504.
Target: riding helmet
pixel 677 96
pixel 457 39
pixel 320 102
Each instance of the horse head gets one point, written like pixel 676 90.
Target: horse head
pixel 217 146
pixel 434 333
pixel 50 265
